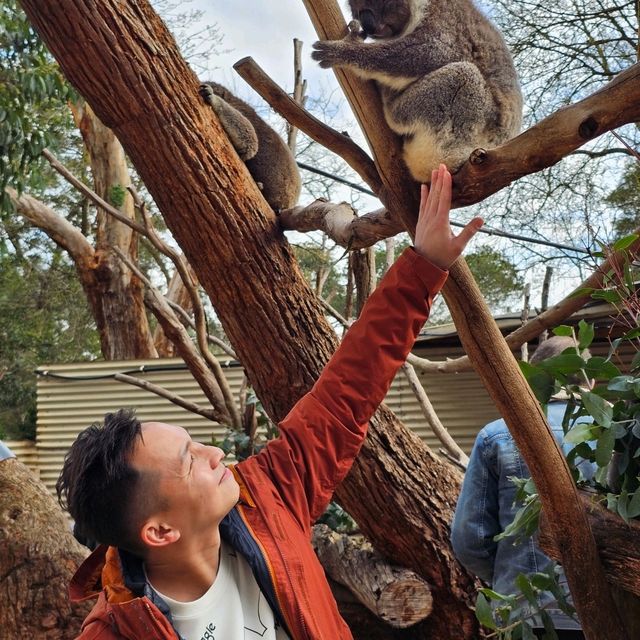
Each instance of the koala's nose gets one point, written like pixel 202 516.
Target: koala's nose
pixel 368 21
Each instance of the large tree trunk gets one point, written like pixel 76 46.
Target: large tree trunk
pixel 38 556
pixel 115 294
pixel 231 238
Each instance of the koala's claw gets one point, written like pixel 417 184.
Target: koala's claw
pixel 322 53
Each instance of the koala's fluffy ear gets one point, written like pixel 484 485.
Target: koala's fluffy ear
pixel 267 157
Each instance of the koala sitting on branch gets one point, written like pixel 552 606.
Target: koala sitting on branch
pixel 268 158
pixel 446 77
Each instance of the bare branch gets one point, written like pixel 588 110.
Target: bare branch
pixel 175 331
pixel 165 393
pixel 333 140
pixel 92 195
pixel 431 417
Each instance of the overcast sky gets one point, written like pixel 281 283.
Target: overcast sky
pixel 264 30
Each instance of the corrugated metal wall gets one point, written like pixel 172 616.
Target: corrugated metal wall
pixel 66 407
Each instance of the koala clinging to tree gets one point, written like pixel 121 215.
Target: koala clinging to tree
pixel 446 77
pixel 267 157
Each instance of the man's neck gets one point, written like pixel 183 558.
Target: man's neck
pixel 184 571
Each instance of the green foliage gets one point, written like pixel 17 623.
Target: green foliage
pixel 525 522
pixel 117 195
pixel 496 276
pixel 43 318
pixel 245 443
pixel 626 198
pixel 513 616
pixel 336 518
pixel 33 92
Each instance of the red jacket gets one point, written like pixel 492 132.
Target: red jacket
pixel 288 485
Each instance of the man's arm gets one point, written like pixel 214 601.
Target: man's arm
pixel 324 431
pixel 476 519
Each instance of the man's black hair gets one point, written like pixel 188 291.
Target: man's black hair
pixel 107 498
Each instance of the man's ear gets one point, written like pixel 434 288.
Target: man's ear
pixel 155 533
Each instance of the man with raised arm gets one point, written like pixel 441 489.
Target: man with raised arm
pixel 197 550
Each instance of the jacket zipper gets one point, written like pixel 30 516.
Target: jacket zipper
pixel 271 574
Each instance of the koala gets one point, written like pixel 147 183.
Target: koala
pixel 267 157
pixel 445 75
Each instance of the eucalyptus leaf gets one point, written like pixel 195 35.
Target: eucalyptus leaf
pixel 604 448
pixel 581 432
pixel 598 407
pixel 484 613
pixel 625 243
pixel 586 334
pixel 633 508
pixel 526 588
pixel 565 363
pixel 564 330
pixel 601 368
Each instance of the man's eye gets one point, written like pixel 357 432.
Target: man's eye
pixel 192 461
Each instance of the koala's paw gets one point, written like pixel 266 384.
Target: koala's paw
pixel 325 53
pixel 207 94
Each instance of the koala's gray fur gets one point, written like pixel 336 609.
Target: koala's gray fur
pixel 267 157
pixel 446 77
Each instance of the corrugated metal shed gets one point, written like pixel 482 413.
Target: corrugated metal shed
pixel 65 407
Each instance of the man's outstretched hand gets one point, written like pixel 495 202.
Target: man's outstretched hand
pixel 435 240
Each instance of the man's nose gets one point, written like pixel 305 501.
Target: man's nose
pixel 216 455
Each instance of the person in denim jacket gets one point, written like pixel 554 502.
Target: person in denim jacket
pixel 486 506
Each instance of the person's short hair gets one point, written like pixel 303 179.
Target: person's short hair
pixel 107 498
pixel 554 346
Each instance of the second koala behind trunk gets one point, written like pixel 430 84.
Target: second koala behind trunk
pixel 267 157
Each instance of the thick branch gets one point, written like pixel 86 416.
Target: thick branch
pixel 289 109
pixel 60 230
pixel 546 143
pixel 618 542
pixel 343 226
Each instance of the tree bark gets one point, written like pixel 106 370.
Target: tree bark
pixel 618 542
pixel 38 556
pixel 232 240
pixel 116 295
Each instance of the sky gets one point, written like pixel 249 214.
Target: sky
pixel 264 31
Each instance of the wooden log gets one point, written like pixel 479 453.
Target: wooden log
pixel 395 594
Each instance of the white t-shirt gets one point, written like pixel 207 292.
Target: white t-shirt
pixel 233 608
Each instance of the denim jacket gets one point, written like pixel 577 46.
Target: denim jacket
pixel 485 508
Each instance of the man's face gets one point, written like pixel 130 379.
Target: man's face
pixel 198 489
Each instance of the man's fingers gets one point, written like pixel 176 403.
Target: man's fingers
pixel 469 231
pixel 436 188
pixel 424 194
pixel 444 202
